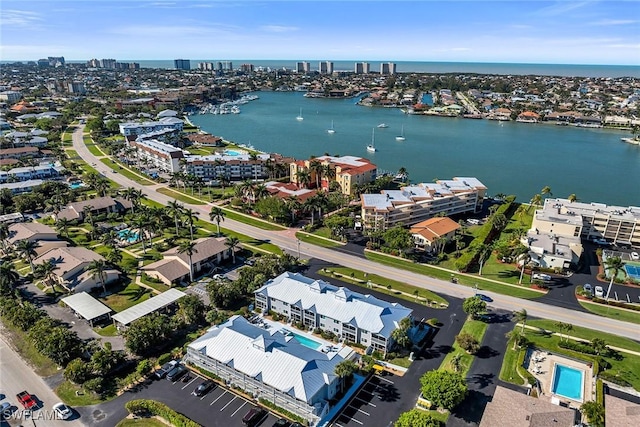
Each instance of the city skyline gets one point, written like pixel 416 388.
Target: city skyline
pixel 564 32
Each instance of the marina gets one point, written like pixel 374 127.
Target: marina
pixel 509 157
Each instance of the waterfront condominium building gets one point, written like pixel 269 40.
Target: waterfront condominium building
pixel 303 67
pixel 415 203
pixel 325 67
pixel 347 171
pixel 354 317
pixel 270 364
pixel 163 157
pixel 616 224
pixel 134 129
pixel 388 68
pixel 182 64
pixel 362 68
pixel 234 168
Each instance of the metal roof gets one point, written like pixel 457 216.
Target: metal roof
pixel 86 305
pixel 147 307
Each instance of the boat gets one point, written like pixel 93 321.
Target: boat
pixel 331 129
pixel 300 118
pixel 401 136
pixel 383 125
pixel 371 147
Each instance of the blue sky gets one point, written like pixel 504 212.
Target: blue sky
pixel 568 32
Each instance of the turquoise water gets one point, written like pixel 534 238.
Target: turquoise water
pixel 509 158
pixel 133 237
pixel 232 153
pixel 76 185
pixel 633 270
pixel 568 382
pixel 307 342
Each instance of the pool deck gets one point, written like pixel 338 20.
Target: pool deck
pixel 541 363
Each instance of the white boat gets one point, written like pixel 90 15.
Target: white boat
pixel 331 129
pixel 372 147
pixel 383 125
pixel 300 118
pixel 235 109
pixel 401 136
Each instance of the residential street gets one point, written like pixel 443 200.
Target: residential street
pixel 286 240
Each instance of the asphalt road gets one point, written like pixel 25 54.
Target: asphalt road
pixel 16 376
pixel 286 240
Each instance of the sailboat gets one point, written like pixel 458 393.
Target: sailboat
pixel 300 118
pixel 401 136
pixel 331 129
pixel 371 147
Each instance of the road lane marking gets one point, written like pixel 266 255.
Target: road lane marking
pixel 225 392
pixel 365 402
pixel 236 411
pixel 389 381
pixel 360 410
pixel 225 406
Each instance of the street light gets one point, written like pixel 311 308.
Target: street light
pixel 298 240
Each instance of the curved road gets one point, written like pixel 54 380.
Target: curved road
pixel 286 240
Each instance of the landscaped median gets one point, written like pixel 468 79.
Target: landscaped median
pixel 612 309
pixel 151 408
pixel 180 196
pixel 387 286
pixel 317 240
pixel 519 291
pixel 126 172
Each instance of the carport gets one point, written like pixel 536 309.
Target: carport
pixel 87 307
pixel 153 304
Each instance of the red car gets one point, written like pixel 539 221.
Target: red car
pixel 27 400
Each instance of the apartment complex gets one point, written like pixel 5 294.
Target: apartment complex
pixel 303 67
pixel 270 365
pixel 43 171
pixel 616 224
pixel 158 155
pixel 388 68
pixel 133 129
pixel 415 203
pixel 325 67
pixel 347 171
pixel 182 64
pixel 362 68
pixel 354 317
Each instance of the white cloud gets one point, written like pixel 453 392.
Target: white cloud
pixel 614 22
pixel 561 8
pixel 173 31
pixel 278 28
pixel 19 18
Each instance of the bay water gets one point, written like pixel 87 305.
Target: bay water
pixel 508 157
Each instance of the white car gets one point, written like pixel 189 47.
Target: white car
pixel 635 256
pixel 62 411
pixel 541 276
pixel 599 292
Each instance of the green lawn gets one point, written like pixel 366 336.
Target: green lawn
pixel 318 241
pixel 72 154
pixel 126 172
pixel 471 281
pixel 107 331
pixel 67 393
pixel 475 328
pixel 508 371
pixel 407 292
pixel 95 150
pixel 180 196
pixel 160 287
pixel 612 312
pixel 249 242
pixel 126 297
pixel 250 220
pixel 42 365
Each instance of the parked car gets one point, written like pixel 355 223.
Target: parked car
pixel 484 298
pixel 588 288
pixel 541 276
pixel 600 241
pixel 635 256
pixel 203 388
pixel 253 417
pixel 62 411
pixel 4 409
pixel 282 422
pixel 164 370
pixel 599 292
pixel 177 372
pixel 27 400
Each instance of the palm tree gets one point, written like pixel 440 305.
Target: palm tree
pixel 525 258
pixel 572 198
pixel 110 239
pixel 536 200
pixel 456 362
pixel 316 169
pixel 175 210
pixel 304 178
pixel 190 216
pixel 63 224
pixel 4 235
pixel 8 278
pixel 216 214
pixel 344 370
pixel 98 269
pixel 614 265
pixel 232 243
pixel 546 190
pixel 27 249
pixel 46 272
pixel 293 204
pixel 521 317
pixel 521 212
pixel 189 249
pixel 141 222
pixel 484 251
pixel 132 195
pixel 114 256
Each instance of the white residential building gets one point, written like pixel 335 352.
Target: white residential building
pixel 159 155
pixel 269 365
pixel 43 171
pixel 140 128
pixel 616 224
pixel 415 203
pixel 354 317
pixel 553 251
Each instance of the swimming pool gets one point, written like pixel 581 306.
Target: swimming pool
pixel 307 342
pixel 128 235
pixel 633 270
pixel 76 185
pixel 233 153
pixel 568 382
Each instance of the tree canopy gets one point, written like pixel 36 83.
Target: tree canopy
pixel 443 388
pixel 416 418
pixel 474 306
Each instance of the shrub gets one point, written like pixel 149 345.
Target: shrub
pixel 433 321
pixel 164 358
pixel 153 408
pixel 578 346
pixel 282 411
pixel 468 343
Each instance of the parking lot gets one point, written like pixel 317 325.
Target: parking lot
pixel 378 396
